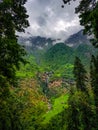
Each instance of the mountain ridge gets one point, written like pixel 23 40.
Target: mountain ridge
pixel 43 43
pixel 76 39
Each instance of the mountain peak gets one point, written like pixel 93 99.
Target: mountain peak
pixel 77 39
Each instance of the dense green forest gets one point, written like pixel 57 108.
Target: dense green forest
pixel 55 89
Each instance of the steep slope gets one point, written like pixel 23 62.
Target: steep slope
pixel 59 54
pixel 36 46
pixel 58 58
pixel 77 39
pixel 35 43
pixel 84 52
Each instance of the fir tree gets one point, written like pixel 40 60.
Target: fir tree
pixel 13 18
pixel 94 81
pixel 80 115
pixel 80 75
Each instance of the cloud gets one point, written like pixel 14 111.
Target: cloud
pixel 47 18
pixel 41 21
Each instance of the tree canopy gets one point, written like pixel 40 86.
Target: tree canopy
pixel 13 17
pixel 80 75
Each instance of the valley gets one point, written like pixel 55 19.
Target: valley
pixel 47 77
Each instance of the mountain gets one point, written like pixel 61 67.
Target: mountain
pixel 46 56
pixel 36 46
pixel 35 43
pixel 59 54
pixel 76 39
pixel 42 43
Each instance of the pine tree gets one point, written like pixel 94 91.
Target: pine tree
pixel 88 14
pixel 80 75
pixel 13 18
pixel 94 81
pixel 80 114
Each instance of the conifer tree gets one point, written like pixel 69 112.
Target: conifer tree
pixel 88 14
pixel 94 81
pixel 13 18
pixel 80 114
pixel 80 75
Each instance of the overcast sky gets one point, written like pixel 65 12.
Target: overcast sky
pixel 47 18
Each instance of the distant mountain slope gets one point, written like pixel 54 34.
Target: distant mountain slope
pixel 59 57
pixel 36 46
pixel 84 52
pixel 35 43
pixel 42 43
pixel 77 39
pixel 59 54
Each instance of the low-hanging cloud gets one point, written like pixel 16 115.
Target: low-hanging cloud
pixel 47 18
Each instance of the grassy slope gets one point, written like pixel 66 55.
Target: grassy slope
pixel 58 105
pixel 30 70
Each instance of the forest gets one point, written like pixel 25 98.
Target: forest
pixel 51 89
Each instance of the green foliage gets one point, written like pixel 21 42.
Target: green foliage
pixel 80 113
pixel 13 18
pixel 81 108
pixel 29 69
pixel 94 81
pixel 9 111
pixel 22 108
pixel 60 58
pixel 84 51
pixel 10 58
pixel 58 122
pixel 80 75
pixel 58 55
pixel 57 107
